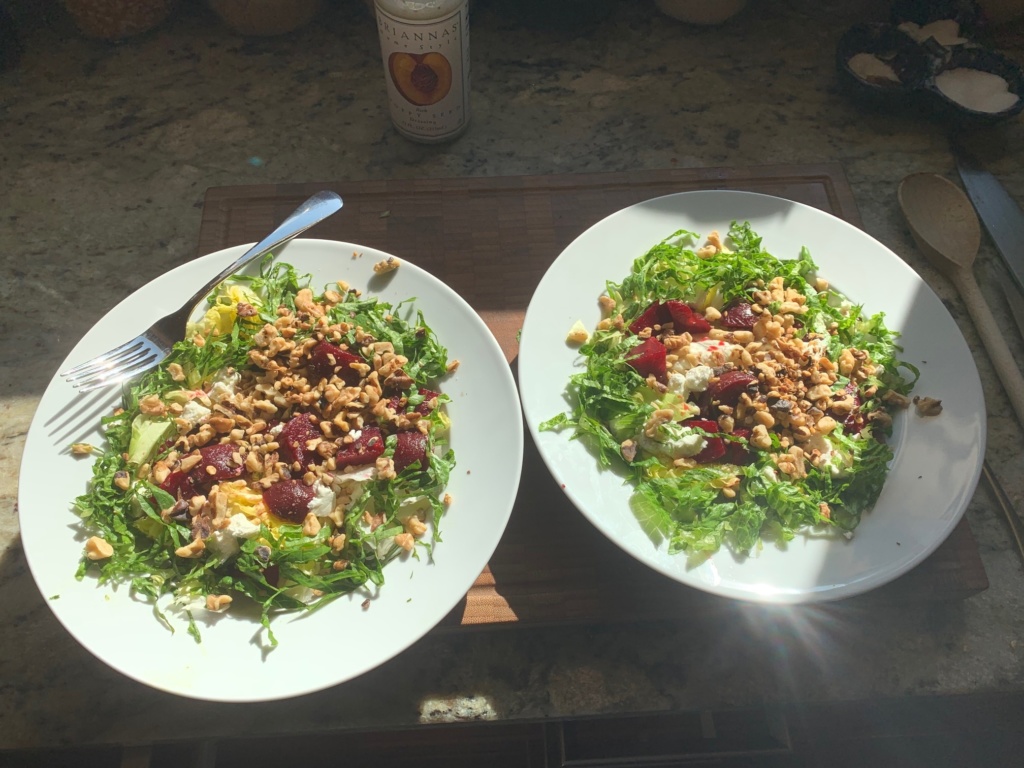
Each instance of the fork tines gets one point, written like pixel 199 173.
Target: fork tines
pixel 117 365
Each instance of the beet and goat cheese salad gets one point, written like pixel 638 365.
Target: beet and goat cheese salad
pixel 284 452
pixel 746 399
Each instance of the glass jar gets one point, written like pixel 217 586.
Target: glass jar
pixel 425 47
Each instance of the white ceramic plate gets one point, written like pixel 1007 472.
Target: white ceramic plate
pixel 229 664
pixel 937 462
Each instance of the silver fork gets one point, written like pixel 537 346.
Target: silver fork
pixel 147 349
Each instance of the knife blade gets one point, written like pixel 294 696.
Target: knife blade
pixel 1000 213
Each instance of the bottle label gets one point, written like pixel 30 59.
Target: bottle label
pixel 426 67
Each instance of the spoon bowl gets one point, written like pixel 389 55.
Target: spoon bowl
pixel 942 220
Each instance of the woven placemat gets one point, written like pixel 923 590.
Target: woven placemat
pixel 491 240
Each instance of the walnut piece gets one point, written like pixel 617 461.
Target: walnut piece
pixel 927 406
pixel 97 548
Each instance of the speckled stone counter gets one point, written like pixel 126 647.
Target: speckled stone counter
pixel 106 152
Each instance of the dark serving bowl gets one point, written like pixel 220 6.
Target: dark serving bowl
pixel 916 64
pixel 908 59
pixel 984 60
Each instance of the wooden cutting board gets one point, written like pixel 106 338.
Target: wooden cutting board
pixel 491 240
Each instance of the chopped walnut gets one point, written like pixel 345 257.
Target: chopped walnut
pixel 414 525
pixel 386 265
pixel 628 450
pixel 217 602
pixel 311 525
pixel 191 550
pixel 97 548
pixel 386 468
pixel 656 419
pixel 152 405
pixel 927 406
pixel 81 449
pixel 759 438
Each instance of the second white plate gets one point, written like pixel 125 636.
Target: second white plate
pixel 937 460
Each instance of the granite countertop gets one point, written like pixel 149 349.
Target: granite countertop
pixel 107 151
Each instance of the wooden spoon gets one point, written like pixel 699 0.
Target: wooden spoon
pixel 945 228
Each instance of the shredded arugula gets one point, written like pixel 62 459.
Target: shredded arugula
pixel 282 565
pixel 700 507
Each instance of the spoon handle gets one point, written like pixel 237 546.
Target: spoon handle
pixel 992 338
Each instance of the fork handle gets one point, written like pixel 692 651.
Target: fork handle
pixel 314 210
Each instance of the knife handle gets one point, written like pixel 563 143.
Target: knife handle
pixel 992 337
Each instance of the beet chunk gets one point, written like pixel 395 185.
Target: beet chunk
pixel 293 438
pixel 410 449
pixel 220 457
pixel 425 407
pixel 738 316
pixel 852 422
pixel 363 450
pixel 289 499
pixel 328 359
pixel 737 452
pixel 715 448
pixel 648 358
pixel 730 385
pixel 684 318
pixel 179 485
pixel 655 314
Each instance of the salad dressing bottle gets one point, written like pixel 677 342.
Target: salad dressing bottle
pixel 425 47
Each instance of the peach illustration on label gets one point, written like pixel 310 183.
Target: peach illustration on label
pixel 422 78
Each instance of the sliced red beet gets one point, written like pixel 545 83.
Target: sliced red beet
pixel 655 314
pixel 738 316
pixel 853 422
pixel 289 499
pixel 363 450
pixel 684 318
pixel 179 485
pixel 293 439
pixel 328 359
pixel 715 448
pixel 220 457
pixel 425 407
pixel 737 452
pixel 730 385
pixel 395 402
pixel 272 573
pixel 648 358
pixel 410 448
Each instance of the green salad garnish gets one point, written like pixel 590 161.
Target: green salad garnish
pixel 285 452
pixel 743 398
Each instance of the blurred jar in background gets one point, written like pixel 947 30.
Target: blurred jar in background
pixel 425 48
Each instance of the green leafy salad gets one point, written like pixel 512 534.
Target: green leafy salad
pixel 745 399
pixel 285 452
